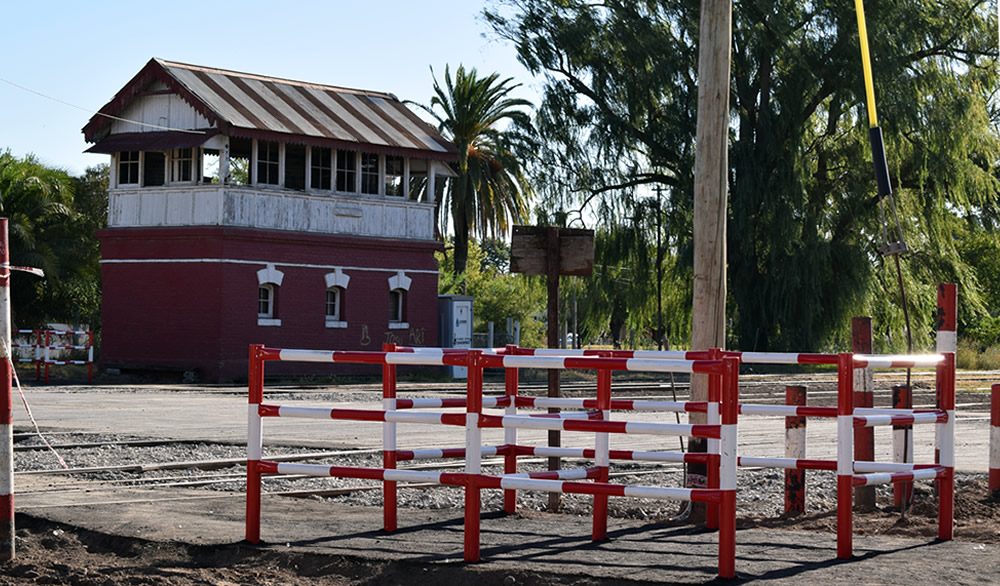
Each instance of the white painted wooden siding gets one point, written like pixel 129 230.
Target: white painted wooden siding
pixel 271 209
pixel 167 110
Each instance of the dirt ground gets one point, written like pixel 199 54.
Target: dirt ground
pixel 50 552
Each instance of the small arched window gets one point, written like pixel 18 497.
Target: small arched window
pixel 397 306
pixel 268 283
pixel 265 301
pixel 336 293
pixel 334 304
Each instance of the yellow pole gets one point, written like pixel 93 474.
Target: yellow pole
pixel 866 63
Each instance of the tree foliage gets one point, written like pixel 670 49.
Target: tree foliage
pixel 489 192
pixel 618 113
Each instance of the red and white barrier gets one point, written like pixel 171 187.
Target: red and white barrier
pixel 6 406
pixel 994 477
pixel 43 352
pixel 472 479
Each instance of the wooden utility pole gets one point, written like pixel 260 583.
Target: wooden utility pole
pixel 711 164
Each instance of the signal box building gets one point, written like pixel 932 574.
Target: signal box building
pixel 245 209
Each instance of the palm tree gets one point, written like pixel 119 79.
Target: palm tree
pixel 489 192
pixel 37 202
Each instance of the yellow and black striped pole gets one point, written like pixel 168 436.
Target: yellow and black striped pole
pixel 874 132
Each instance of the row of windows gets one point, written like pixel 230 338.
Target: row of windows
pixel 267 304
pixel 259 162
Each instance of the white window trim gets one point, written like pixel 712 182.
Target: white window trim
pixel 333 324
pixel 399 281
pixel 399 325
pixel 268 322
pixel 269 275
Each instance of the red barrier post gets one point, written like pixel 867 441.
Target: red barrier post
pixel 864 386
pixel 255 387
pixel 795 447
pixel 946 435
pixel 510 434
pixel 845 451
pixel 994 480
pixel 473 453
pixel 729 408
pixel 713 417
pixel 389 505
pixel 6 407
pixel 601 455
pixel 902 446
pixel 947 338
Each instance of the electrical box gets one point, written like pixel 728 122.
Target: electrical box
pixel 455 315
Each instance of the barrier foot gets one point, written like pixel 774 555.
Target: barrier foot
pixel 472 509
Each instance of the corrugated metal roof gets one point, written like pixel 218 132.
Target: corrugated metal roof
pixel 244 104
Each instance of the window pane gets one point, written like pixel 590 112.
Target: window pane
pixel 396 305
pixel 267 162
pixel 154 170
pixel 295 166
pixel 394 176
pixel 333 303
pixel 264 301
pixel 128 167
pixel 183 165
pixel 369 173
pixel 321 168
pixel 346 169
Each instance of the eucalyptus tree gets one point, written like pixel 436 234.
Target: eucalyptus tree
pixel 488 127
pixel 620 85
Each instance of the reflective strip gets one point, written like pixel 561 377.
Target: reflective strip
pixel 994 447
pixel 947 341
pixel 845 444
pixel 898 360
pixel 254 439
pixel 306 355
pixel 727 444
pixel 669 406
pixel 755 462
pixel 947 452
pixel 412 476
pixel 657 492
pixel 411 417
pixel 675 457
pixel 558 452
pixel 473 444
pixel 421 358
pixel 555 362
pixel 543 402
pixel 602 444
pixel 641 364
pixel 659 428
pixel 511 483
pixel 304 469
pixel 7 472
pixel 304 412
pixel 388 428
pixel 770 357
pixel 779 410
pixel 427 454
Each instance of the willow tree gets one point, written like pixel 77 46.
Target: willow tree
pixel 619 109
pixel 489 192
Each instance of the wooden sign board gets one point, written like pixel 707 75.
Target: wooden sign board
pixel 528 251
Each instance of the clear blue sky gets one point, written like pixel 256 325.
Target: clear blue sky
pixel 83 52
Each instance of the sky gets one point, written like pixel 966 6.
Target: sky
pixel 82 52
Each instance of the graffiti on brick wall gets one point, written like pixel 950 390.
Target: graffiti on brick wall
pixel 413 336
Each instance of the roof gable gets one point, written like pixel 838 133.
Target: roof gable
pixel 243 104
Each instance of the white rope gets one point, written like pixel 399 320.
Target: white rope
pixel 28 409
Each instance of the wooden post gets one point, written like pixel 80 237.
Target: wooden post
pixel 552 279
pixel 795 447
pixel 864 437
pixel 711 164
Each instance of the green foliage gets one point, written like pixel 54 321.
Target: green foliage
pixel 619 113
pixel 52 218
pixel 489 192
pixel 498 295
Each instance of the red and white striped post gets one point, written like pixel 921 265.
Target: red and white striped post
pixel 602 455
pixel 473 453
pixel 902 445
pixel 994 481
pixel 713 417
pixel 728 442
pixel 795 447
pixel 254 442
pixel 389 505
pixel 864 396
pixel 947 341
pixel 6 407
pixel 510 434
pixel 946 435
pixel 845 453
